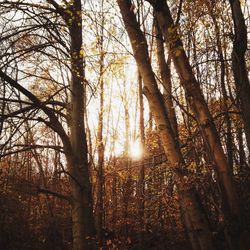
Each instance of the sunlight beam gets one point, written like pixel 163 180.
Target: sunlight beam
pixel 136 150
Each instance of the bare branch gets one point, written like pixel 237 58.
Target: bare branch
pixel 46 191
pixel 53 123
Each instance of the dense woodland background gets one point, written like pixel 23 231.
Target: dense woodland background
pixel 124 124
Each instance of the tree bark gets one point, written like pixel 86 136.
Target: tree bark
pixel 82 213
pixel 166 79
pixel 156 103
pixel 100 149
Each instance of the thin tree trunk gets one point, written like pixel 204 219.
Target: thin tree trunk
pixel 114 201
pixel 242 156
pixel 100 145
pixel 100 180
pixel 82 213
pixel 166 79
pixel 225 99
pixel 239 65
pixel 126 145
pixel 126 183
pixel 156 103
pixel 141 182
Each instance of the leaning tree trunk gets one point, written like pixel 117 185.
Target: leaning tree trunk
pixel 188 213
pixel 166 79
pixel 197 102
pixel 199 229
pixel 82 214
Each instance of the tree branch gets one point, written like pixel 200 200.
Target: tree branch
pixel 46 191
pixel 60 10
pixel 53 123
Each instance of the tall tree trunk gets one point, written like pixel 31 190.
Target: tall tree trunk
pixel 82 213
pixel 156 103
pixel 166 79
pixel 126 188
pixel 239 64
pixel 100 143
pixel 197 102
pixel 100 149
pixel 141 182
pixel 225 99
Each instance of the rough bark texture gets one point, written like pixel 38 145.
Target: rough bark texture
pixel 156 103
pixel 239 64
pixel 199 106
pixel 82 214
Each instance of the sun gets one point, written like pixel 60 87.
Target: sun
pixel 136 150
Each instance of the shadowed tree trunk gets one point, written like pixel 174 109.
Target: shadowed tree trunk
pixel 100 144
pixel 225 99
pixel 100 180
pixel 194 214
pixel 82 214
pixel 141 181
pixel 166 79
pixel 239 64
